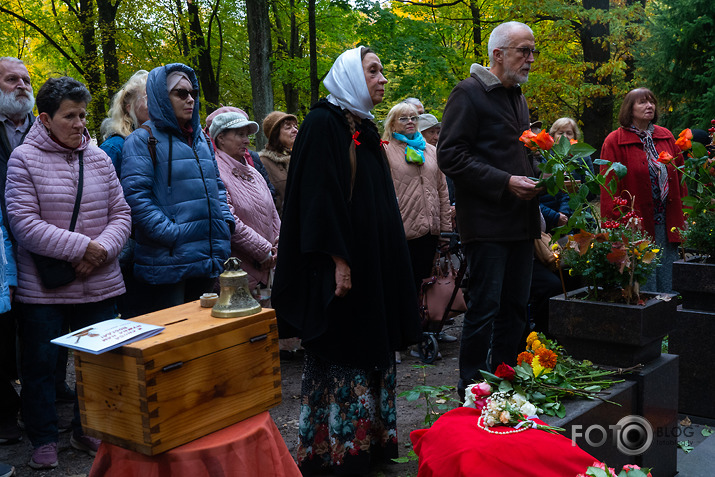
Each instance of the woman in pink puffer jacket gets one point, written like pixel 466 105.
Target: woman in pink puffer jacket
pixel 42 187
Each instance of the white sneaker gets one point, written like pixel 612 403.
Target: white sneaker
pixel 446 338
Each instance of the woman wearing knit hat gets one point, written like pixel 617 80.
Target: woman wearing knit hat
pixel 255 239
pixel 281 129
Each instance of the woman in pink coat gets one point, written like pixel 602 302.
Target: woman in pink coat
pixel 255 239
pixel 43 188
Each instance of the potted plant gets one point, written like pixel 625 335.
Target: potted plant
pixel 694 275
pixel 609 321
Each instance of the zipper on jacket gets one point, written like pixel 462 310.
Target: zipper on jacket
pixel 208 202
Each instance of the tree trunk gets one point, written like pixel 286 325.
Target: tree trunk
pixel 202 63
pixel 91 65
pixel 598 110
pixel 477 32
pixel 259 47
pixel 313 52
pixel 108 31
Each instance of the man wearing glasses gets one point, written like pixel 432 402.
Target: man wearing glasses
pixel 497 208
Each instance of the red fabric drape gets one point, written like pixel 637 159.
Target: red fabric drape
pixel 251 447
pixel 454 446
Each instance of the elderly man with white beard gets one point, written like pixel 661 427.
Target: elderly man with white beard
pixel 16 103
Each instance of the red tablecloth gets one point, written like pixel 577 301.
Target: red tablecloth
pixel 251 447
pixel 454 446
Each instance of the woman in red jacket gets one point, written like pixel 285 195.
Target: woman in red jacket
pixel 655 187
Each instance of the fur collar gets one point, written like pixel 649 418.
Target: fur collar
pixel 276 157
pixel 489 79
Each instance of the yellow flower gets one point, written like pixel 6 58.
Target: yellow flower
pixel 570 272
pixel 538 368
pixel 536 345
pixel 656 250
pixel 531 338
pixel 673 229
pixel 555 246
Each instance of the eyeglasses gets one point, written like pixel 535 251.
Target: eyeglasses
pixel 525 50
pixel 184 93
pixel 405 119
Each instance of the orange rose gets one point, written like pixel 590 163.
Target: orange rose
pixel 573 141
pixel 684 143
pixel 528 137
pixel 664 157
pixel 544 140
pixel 686 133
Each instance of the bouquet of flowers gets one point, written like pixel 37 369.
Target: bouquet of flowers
pixel 615 256
pixel 599 469
pixel 618 258
pixel 698 171
pixel 545 375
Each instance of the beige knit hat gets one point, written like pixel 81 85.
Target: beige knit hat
pixel 274 119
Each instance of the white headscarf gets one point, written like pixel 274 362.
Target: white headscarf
pixel 173 79
pixel 347 85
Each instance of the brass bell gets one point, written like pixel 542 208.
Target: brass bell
pixel 234 298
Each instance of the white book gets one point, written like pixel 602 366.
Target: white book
pixel 107 335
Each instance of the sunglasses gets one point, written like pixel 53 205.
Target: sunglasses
pixel 184 93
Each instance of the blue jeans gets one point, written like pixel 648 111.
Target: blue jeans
pixel 38 325
pixel 498 294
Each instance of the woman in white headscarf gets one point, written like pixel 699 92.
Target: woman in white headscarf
pixel 343 282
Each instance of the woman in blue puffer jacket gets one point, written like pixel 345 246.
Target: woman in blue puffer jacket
pixel 182 223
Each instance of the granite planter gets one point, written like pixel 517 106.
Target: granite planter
pixel 611 334
pixel 695 281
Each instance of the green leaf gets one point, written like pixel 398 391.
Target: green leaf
pixel 411 395
pixel 706 431
pixel 505 386
pixel 685 446
pixel 581 149
pixel 699 150
pixel 596 472
pixel 561 411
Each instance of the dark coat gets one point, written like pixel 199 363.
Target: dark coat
pixel 5 152
pixel 479 149
pixel 379 314
pixel 626 147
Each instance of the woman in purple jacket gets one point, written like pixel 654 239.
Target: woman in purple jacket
pixel 255 239
pixel 53 171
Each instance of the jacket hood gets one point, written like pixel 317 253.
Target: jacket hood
pixel 160 110
pixel 39 137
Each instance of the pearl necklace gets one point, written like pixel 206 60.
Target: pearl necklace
pixel 487 428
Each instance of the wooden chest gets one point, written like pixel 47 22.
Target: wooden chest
pixel 199 375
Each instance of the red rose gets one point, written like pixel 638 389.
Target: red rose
pixel 505 371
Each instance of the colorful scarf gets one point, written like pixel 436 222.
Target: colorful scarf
pixel 656 168
pixel 414 151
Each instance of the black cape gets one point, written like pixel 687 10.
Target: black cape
pixel 380 313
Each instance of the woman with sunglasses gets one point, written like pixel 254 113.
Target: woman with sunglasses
pixel 182 224
pixel 342 281
pixel 421 189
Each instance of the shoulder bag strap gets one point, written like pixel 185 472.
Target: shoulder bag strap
pixel 151 144
pixel 80 185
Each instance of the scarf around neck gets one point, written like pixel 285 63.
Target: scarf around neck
pixel 414 150
pixel 657 168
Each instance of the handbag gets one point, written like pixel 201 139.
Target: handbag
pixel 54 272
pixel 438 290
pixel 543 252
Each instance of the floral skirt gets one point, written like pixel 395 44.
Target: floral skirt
pixel 348 418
